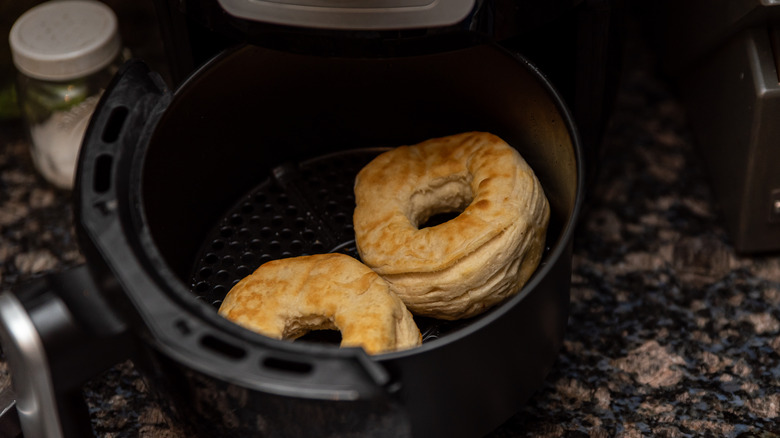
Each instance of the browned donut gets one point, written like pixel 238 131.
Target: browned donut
pixel 461 267
pixel 287 298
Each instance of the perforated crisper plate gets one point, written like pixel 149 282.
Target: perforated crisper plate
pixel 301 209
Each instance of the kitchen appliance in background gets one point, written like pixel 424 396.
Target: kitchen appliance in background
pixel 725 58
pixel 255 151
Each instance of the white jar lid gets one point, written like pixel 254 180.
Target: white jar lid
pixel 62 40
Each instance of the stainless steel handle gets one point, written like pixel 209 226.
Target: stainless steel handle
pixel 9 416
pixel 36 402
pixel 57 332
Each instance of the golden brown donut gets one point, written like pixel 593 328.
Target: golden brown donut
pixel 464 266
pixel 287 298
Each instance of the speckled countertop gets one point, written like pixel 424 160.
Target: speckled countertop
pixel 671 333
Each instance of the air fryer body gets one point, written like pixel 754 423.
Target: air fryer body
pixel 151 191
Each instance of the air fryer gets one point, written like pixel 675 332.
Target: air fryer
pixel 252 157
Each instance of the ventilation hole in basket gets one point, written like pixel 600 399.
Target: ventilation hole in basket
pixel 102 176
pixel 114 125
pixel 205 273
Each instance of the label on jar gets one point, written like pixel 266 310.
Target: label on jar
pixel 57 141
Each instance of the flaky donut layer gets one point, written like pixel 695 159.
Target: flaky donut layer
pixel 287 298
pixel 468 264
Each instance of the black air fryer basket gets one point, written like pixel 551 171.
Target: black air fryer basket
pixel 253 158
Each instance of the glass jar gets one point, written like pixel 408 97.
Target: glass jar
pixel 66 53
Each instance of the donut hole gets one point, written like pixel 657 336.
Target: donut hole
pixel 323 336
pixel 443 199
pixel 315 328
pixel 440 218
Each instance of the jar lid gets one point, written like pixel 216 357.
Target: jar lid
pixel 62 40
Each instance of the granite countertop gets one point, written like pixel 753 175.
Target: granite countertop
pixel 671 333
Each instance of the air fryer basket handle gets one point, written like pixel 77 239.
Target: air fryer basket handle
pixel 56 333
